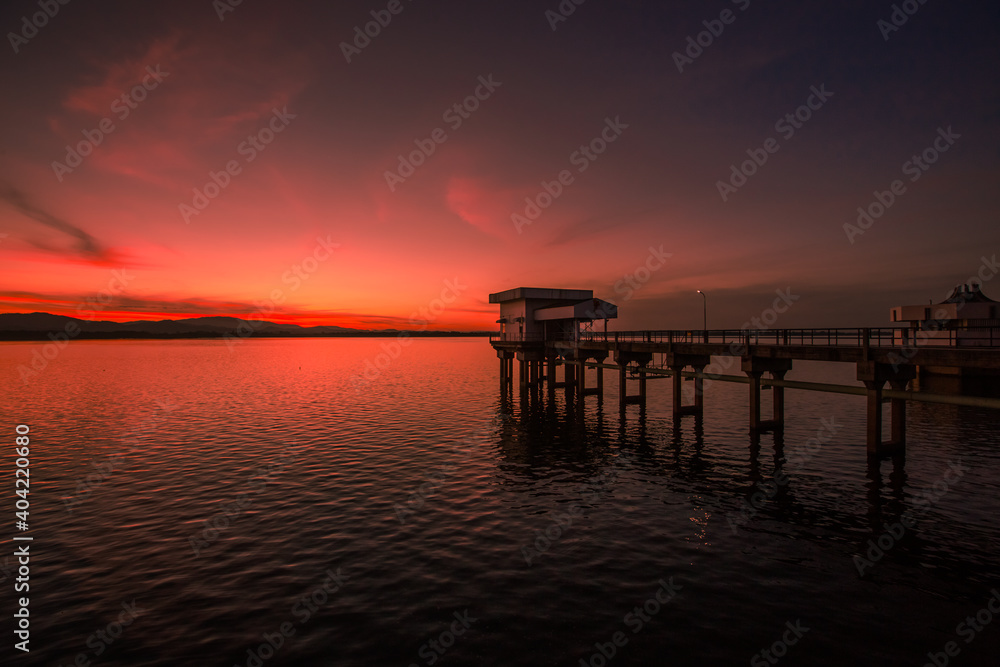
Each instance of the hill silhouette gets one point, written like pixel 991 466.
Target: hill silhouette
pixel 42 326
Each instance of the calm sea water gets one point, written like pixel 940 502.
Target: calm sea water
pixel 191 503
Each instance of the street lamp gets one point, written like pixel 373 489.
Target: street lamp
pixel 704 310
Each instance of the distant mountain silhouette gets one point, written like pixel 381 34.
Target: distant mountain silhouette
pixel 39 326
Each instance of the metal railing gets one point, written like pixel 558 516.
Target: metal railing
pixel 827 337
pixel 515 337
pixel 899 337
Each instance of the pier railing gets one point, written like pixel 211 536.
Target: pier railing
pixel 984 336
pixel 514 337
pixel 839 337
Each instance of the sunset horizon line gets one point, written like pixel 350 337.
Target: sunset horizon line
pixel 301 320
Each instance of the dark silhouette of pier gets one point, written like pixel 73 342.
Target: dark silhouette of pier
pixel 893 356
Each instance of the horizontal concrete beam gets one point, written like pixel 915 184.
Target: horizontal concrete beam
pixel 680 359
pixel 870 371
pixel 762 364
pixel 917 396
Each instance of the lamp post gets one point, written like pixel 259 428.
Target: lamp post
pixel 704 313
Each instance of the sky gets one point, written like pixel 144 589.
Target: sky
pixel 192 158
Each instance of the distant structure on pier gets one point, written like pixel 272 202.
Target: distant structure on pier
pixel 961 319
pixel 543 314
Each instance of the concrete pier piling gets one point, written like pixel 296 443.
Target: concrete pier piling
pixel 677 362
pixel 875 375
pixel 755 367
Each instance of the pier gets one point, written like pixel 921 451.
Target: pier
pixel 544 330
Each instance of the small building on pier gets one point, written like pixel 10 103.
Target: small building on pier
pixel 541 328
pixel 542 314
pixel 965 317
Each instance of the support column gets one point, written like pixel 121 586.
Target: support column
pixel 622 386
pixel 623 358
pixel 522 374
pixel 897 412
pixel 642 385
pixel 755 367
pixel 678 389
pixel 699 392
pixel 600 380
pixel 778 400
pixel 755 424
pixel 551 379
pixel 677 362
pixel 875 375
pixel 581 380
pixel 874 439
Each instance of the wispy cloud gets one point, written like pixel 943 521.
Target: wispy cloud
pixel 85 245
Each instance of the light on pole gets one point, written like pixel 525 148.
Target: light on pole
pixel 704 309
